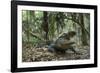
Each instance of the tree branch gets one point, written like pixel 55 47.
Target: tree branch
pixel 79 24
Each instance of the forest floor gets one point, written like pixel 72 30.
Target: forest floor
pixel 42 54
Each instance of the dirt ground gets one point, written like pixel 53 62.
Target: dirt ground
pixel 42 54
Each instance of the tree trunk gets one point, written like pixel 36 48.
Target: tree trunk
pixel 45 24
pixel 83 36
pixel 27 26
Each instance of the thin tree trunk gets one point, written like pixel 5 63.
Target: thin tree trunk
pixel 27 26
pixel 84 36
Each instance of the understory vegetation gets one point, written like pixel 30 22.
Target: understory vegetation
pixel 40 29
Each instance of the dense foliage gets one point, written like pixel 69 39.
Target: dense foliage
pixel 40 28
